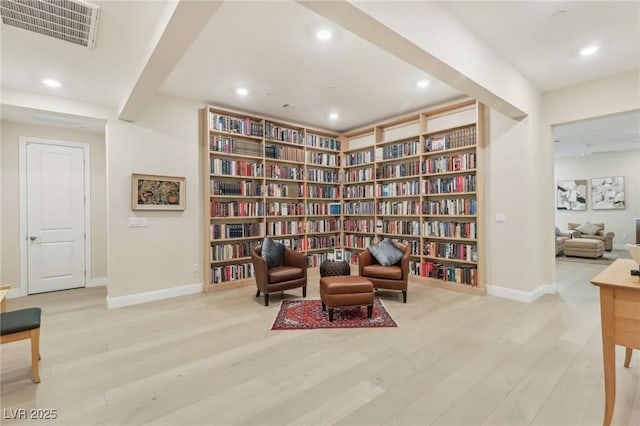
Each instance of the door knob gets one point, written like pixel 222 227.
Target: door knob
pixel 33 238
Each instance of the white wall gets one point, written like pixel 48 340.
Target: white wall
pixel 621 222
pixel 165 141
pixel 10 212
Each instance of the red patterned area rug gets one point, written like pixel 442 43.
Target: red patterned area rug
pixel 308 314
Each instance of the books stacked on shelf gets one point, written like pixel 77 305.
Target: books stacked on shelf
pixel 456 139
pixel 280 190
pixel 458 274
pixel 449 229
pixel 221 166
pixel 323 191
pixel 230 145
pixel 395 189
pixel 358 241
pixel 284 134
pixel 243 126
pixel 398 227
pixel 236 230
pixel 359 175
pixel 352 256
pixel 247 188
pixel 450 163
pixel 278 171
pixel 450 207
pixel 388 171
pixel 286 153
pixel 285 227
pixel 335 208
pixel 399 150
pixel 405 207
pixel 315 259
pixel 359 191
pixel 285 208
pixel 451 251
pixel 359 225
pixel 231 251
pixel 321 209
pixel 317 242
pixel 448 185
pixel 323 175
pixel 323 159
pixel 236 208
pixel 239 271
pixel 325 142
pixel 359 208
pixel 295 243
pixel 360 157
pixel 326 225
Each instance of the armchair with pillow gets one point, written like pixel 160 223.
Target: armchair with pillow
pixel 386 265
pixel 278 268
pixel 593 231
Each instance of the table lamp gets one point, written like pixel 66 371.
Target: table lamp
pixel 634 251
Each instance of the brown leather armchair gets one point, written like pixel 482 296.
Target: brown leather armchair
pixel 392 277
pixel 291 274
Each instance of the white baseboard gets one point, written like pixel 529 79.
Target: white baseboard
pixel 97 282
pixel 151 296
pixel 519 295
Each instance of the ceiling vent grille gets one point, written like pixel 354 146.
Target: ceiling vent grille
pixel 72 21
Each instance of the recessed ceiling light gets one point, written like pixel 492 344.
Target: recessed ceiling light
pixel 589 50
pixel 422 83
pixel 334 116
pixel 49 82
pixel 242 91
pixel 324 34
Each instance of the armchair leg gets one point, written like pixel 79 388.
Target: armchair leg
pixel 404 296
pixel 266 299
pixel 369 311
pixel 304 291
pixel 258 293
pixel 330 314
pixel 324 307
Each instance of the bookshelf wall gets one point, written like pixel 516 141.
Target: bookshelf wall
pixel 416 179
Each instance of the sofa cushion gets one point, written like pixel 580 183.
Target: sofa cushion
pixel 280 274
pixel 272 252
pixel 382 272
pixel 386 252
pixel 588 228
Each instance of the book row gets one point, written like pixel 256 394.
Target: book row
pixel 247 188
pixel 319 209
pixel 236 208
pixel 454 251
pixel 394 189
pixel 449 229
pixel 359 191
pixel 400 150
pixel 359 175
pixel 221 274
pixel 285 227
pixel 325 142
pixel 277 171
pixel 323 159
pixel 229 145
pixel 406 207
pixel 236 230
pixel 222 252
pixel 456 139
pixel 459 274
pixel 243 126
pixel 323 191
pixel 327 225
pixel 303 244
pixel 284 134
pixel 359 225
pixel 359 207
pixel 465 183
pixel 449 163
pixel 221 166
pixel 388 171
pixel 358 241
pixel 323 175
pixel 450 207
pixel 402 227
pixel 288 153
pixel 360 157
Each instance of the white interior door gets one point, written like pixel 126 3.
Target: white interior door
pixel 55 195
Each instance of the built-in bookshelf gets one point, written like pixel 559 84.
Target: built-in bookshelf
pixel 416 179
pixel 266 177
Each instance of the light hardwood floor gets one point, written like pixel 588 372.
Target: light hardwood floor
pixel 211 359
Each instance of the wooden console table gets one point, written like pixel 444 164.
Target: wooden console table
pixel 620 311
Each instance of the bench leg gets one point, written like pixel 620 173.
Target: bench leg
pixel 35 354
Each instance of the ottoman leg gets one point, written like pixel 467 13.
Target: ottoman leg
pixel 369 311
pixel 404 296
pixel 304 291
pixel 330 314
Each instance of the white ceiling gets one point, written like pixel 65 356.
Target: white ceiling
pixel 270 48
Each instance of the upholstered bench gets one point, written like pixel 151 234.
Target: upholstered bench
pixel 584 247
pixel 23 324
pixel 346 290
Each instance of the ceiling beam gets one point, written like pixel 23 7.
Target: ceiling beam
pixel 375 32
pixel 184 20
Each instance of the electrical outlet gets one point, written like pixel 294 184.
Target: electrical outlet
pixel 501 218
pixel 194 268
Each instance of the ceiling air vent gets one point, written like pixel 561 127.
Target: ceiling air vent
pixel 72 21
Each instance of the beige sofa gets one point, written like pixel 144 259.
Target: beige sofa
pixel 561 237
pixel 602 235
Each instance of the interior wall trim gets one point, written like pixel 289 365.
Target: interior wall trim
pixel 151 296
pixel 519 295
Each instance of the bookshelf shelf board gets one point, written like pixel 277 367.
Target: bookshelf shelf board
pixel 232 240
pixel 322 166
pixel 285 235
pixel 354 248
pixel 319 149
pixel 273 198
pixel 285 216
pixel 229 154
pixel 235 197
pixel 393 197
pixel 399 178
pixel 450 150
pixel 399 159
pixel 359 233
pixel 236 135
pixel 279 160
pixel 397 215
pixel 236 177
pixel 454 172
pixel 361 165
pixel 225 261
pixel 398 235
pixel 451 216
pixel 359 215
pixel 323 232
pixel 448 285
pixel 406 139
pixel 234 217
pixel 284 180
pixel 268 140
pixel 451 194
pixel 462 240
pixel 360 182
pixel 445 260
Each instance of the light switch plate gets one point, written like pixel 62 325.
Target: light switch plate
pixel 501 218
pixel 138 222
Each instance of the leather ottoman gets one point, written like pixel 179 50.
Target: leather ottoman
pixel 346 290
pixel 330 268
pixel 583 247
